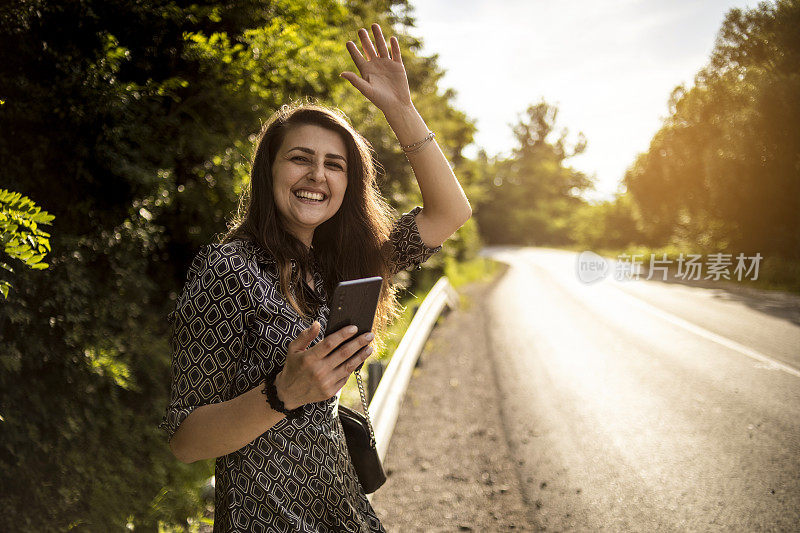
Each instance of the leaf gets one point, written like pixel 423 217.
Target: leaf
pixel 43 217
pixel 26 255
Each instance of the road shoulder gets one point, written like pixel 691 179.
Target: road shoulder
pixel 448 463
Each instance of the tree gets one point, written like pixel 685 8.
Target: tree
pixel 722 173
pixel 533 192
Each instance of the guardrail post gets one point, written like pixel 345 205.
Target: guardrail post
pixel 374 374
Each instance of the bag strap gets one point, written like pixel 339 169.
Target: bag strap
pixel 366 409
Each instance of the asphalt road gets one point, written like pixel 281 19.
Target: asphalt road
pixel 647 405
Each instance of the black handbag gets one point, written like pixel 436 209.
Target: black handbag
pixel 360 439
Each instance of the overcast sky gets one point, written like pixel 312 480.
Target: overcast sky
pixel 609 66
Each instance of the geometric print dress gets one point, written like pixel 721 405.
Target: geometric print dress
pixel 230 327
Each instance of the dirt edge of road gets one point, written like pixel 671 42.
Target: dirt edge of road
pixel 449 464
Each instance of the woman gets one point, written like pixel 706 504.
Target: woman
pixel 312 218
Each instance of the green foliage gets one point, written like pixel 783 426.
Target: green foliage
pixel 460 273
pixel 532 194
pixel 611 223
pixel 20 234
pixel 722 173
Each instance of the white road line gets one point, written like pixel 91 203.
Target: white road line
pixel 719 339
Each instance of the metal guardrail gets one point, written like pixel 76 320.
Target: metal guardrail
pixel 384 407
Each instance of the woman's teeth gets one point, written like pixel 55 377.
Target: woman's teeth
pixel 314 196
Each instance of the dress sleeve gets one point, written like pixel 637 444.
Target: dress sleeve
pixel 408 248
pixel 208 326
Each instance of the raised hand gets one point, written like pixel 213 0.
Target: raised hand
pixel 383 79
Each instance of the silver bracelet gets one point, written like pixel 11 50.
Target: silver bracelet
pixel 417 146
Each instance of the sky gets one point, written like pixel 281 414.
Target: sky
pixel 608 66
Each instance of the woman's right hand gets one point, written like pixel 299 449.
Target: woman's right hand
pixel 317 373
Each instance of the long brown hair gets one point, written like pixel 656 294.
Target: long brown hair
pixel 353 243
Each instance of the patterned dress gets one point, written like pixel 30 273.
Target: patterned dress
pixel 231 326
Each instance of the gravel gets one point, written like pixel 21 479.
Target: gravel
pixel 448 463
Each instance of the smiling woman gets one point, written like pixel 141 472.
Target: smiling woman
pixel 313 189
pixel 253 313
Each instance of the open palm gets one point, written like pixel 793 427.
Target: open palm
pixel 383 79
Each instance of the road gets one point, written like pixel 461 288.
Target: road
pixel 647 405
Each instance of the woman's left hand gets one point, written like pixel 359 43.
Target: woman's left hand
pixel 383 78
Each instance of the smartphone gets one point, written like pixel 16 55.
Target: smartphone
pixel 354 302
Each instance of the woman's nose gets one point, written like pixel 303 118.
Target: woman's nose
pixel 318 171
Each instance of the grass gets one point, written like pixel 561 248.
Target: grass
pixel 195 523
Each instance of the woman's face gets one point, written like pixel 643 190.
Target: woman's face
pixel 311 160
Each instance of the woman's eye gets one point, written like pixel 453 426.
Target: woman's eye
pixel 306 160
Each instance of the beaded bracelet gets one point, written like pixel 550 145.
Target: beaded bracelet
pixel 276 403
pixel 417 146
